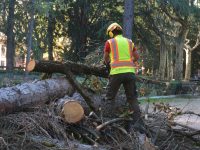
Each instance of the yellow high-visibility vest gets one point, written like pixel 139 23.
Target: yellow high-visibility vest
pixel 121 55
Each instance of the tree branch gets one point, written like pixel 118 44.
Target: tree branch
pixel 176 18
pixel 197 42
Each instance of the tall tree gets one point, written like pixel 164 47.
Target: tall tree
pixel 30 31
pixel 50 34
pixel 183 14
pixel 50 29
pixel 128 18
pixel 188 51
pixel 10 37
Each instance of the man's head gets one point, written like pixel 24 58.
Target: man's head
pixel 114 29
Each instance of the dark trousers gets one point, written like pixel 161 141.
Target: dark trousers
pixel 128 82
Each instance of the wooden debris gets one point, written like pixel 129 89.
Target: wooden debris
pixel 72 111
pixel 101 126
pixel 77 68
pixel 31 94
pixel 63 67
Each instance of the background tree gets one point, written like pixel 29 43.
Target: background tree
pixel 128 18
pixel 188 50
pixel 87 24
pixel 50 30
pixel 10 37
pixel 30 31
pixel 180 12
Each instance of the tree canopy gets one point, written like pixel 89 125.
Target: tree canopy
pixel 163 31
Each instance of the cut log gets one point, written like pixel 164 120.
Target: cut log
pixel 72 111
pixel 69 109
pixel 30 94
pixel 76 68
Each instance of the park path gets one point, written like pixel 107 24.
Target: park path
pixel 185 103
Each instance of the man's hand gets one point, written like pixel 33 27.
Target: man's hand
pixel 107 66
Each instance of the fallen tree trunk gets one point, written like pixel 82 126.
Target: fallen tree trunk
pixel 62 67
pixel 76 68
pixel 29 94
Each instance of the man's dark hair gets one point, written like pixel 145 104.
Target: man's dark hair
pixel 117 32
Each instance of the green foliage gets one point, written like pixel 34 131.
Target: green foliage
pixel 80 26
pixel 88 21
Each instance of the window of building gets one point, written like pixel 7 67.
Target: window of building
pixel 3 51
pixel 2 63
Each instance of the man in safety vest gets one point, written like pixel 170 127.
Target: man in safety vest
pixel 120 54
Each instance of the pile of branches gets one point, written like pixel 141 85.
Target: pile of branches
pixel 41 128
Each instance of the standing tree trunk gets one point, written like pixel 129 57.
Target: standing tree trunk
pixel 51 28
pixel 78 26
pixel 179 53
pixel 10 37
pixel 188 61
pixel 128 18
pixel 30 32
pixel 163 58
pixel 188 51
pixel 170 64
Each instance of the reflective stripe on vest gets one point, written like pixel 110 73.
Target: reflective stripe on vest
pixel 121 54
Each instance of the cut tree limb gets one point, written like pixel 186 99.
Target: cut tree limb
pixel 63 67
pixel 77 86
pixel 98 128
pixel 67 68
pixel 29 94
pixel 76 68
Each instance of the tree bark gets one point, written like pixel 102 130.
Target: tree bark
pixel 188 64
pixel 170 64
pixel 76 68
pixel 179 53
pixel 59 67
pixel 50 36
pixel 163 58
pixel 29 94
pixel 30 32
pixel 128 18
pixel 10 37
pixel 188 51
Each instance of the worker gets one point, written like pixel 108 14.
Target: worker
pixel 120 55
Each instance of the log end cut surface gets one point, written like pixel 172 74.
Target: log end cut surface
pixel 31 65
pixel 72 111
